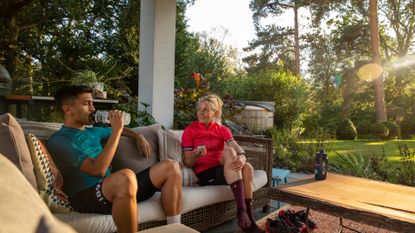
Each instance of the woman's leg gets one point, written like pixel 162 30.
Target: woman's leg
pixel 248 178
pixel 234 179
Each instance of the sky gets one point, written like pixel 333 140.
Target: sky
pixel 216 16
pixel 233 16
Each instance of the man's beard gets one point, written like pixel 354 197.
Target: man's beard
pixel 90 120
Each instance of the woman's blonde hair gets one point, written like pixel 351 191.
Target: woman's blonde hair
pixel 215 103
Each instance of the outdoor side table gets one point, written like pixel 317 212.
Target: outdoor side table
pixel 278 175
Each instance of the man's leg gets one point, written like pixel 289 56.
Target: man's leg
pixel 120 188
pixel 167 176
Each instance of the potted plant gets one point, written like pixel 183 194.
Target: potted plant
pixel 90 78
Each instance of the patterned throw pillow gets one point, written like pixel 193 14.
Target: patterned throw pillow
pixel 48 178
pixel 189 177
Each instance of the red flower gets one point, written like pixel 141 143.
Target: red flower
pixel 197 78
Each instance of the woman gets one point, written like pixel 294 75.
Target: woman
pixel 216 158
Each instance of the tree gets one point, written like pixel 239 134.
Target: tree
pixel 67 35
pixel 350 37
pixel 201 53
pixel 14 19
pixel 378 82
pixel 275 36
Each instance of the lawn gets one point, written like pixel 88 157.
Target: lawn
pixel 366 147
pixel 373 159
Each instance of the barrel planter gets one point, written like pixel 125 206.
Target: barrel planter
pixel 256 118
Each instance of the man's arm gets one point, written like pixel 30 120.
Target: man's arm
pixel 142 144
pixel 99 165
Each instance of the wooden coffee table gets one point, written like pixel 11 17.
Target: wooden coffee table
pixel 376 203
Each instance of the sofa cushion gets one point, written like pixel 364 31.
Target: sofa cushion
pixel 170 146
pixel 128 155
pixel 88 223
pixel 13 146
pixel 49 179
pixel 199 196
pixel 193 198
pixel 151 209
pixel 21 207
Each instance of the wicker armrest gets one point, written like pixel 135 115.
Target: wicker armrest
pixel 258 153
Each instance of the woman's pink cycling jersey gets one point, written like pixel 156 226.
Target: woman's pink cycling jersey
pixel 213 138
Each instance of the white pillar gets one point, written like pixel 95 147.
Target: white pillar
pixel 157 50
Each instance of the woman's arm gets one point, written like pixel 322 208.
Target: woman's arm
pixel 234 145
pixel 190 157
pixel 240 160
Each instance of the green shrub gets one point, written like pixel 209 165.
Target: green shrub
pixel 363 127
pixel 394 129
pixel 289 153
pixel 380 131
pixel 346 130
pixel 407 127
pixel 357 165
pixel 289 93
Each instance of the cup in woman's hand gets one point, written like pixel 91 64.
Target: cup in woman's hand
pixel 200 150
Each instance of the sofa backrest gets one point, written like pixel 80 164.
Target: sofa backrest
pixel 128 155
pixel 13 146
pixel 41 130
pixel 166 144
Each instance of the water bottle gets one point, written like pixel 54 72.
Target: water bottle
pixel 103 117
pixel 321 165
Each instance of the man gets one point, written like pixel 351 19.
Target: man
pixel 85 164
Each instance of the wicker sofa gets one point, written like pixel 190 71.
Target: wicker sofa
pixel 259 154
pixel 198 214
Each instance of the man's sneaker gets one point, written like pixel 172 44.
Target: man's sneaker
pixel 276 226
pixel 295 221
pixel 302 215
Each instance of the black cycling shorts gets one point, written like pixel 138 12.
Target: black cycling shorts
pixel 92 200
pixel 146 188
pixel 212 176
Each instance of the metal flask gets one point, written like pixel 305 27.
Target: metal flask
pixel 321 165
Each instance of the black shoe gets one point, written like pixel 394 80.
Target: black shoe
pixel 276 226
pixel 302 216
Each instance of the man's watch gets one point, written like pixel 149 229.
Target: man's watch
pixel 241 153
